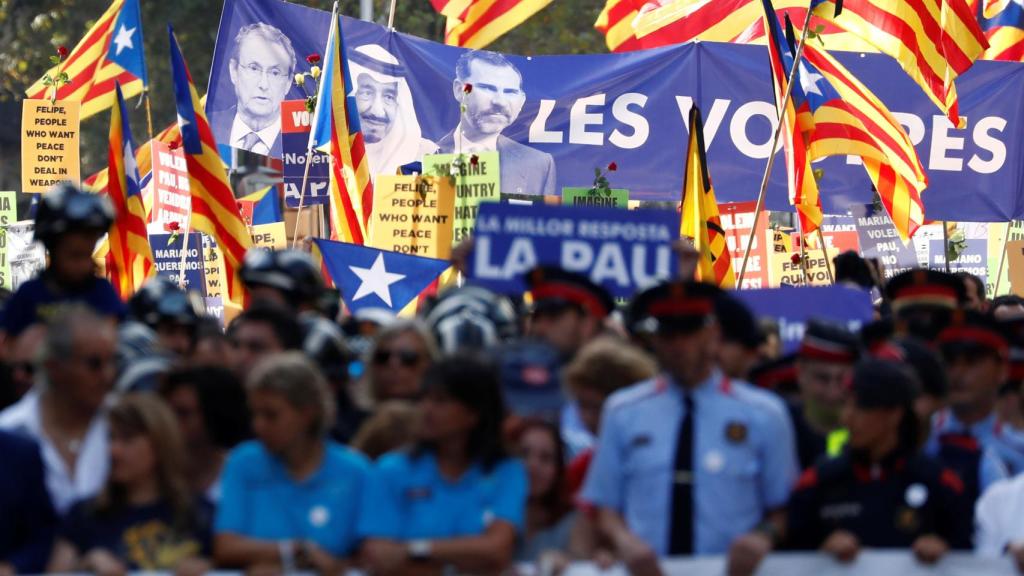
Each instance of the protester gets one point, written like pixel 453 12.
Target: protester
pixel 210 405
pixel 396 362
pixel 259 331
pixel 974 292
pixel 29 521
pixel 742 338
pixel 285 278
pixel 824 363
pixel 291 499
pixel 881 492
pixel 146 517
pixel 69 222
pixel 456 499
pixel 690 462
pixel 172 313
pixel 66 412
pixel 549 514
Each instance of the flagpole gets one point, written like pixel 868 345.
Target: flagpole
pixel 302 197
pixel 1002 259
pixel 391 15
pixel 149 114
pixel 184 251
pixel 775 143
pixel 945 245
pixel 824 252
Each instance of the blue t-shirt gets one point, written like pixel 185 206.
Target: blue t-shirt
pixel 144 537
pixel 409 499
pixel 259 499
pixel 36 302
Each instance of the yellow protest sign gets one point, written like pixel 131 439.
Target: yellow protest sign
pixel 413 215
pixel 49 144
pixel 786 270
pixel 273 236
pixel 213 262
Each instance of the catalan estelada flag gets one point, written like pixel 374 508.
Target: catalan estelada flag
pixel 700 218
pixel 803 189
pixel 1003 23
pixel 266 206
pixel 130 258
pixel 934 41
pixel 214 210
pixel 477 23
pixel 111 52
pixel 336 131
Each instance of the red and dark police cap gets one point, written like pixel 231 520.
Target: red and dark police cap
pixel 674 307
pixel 925 288
pixel 829 342
pixel 971 333
pixel 879 384
pixel 554 290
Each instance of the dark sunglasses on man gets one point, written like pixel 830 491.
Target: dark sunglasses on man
pixel 407 358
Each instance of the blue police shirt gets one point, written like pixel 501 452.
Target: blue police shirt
pixel 1000 458
pixel 36 302
pixel 260 500
pixel 744 459
pixel 409 499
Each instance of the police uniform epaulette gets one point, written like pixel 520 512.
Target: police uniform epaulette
pixel 637 392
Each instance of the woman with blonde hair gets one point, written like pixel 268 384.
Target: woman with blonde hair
pixel 146 517
pixel 396 362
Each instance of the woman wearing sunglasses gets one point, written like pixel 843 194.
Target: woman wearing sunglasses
pixel 455 501
pixel 398 359
pixel 289 499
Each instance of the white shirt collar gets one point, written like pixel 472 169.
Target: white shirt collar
pixel 467 146
pixel 267 136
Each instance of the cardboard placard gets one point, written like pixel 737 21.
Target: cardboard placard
pixel 273 236
pixel 619 198
pixel 295 127
pixel 26 256
pixel 8 215
pixel 996 237
pixel 474 183
pixel 213 268
pixel 1015 264
pixel 413 215
pixel 167 259
pixel 49 144
pixel 785 272
pixel 737 220
pixel 172 197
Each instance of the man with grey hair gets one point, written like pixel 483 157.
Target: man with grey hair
pixel 261 68
pixel 65 412
pixel 489 89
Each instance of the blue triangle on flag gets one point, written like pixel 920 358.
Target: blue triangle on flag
pixel 372 278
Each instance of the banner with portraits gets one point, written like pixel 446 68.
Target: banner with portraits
pixel 554 119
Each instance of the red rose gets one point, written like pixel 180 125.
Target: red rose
pixel 62 51
pixel 173 144
pixel 467 87
pixel 613 167
pixel 313 59
pixel 172 226
pixel 795 258
pixel 474 160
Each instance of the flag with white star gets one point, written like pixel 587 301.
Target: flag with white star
pixel 372 278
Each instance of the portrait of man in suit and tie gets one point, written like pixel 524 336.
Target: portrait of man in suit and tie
pixel 261 67
pixel 491 105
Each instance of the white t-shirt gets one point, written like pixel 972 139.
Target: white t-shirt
pixel 999 517
pixel 92 464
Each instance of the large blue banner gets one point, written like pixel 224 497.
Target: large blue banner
pixel 553 119
pixel 624 251
pixel 793 307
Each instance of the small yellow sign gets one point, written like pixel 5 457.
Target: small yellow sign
pixel 49 144
pixel 413 215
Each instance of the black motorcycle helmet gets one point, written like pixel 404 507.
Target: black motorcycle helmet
pixel 291 272
pixel 159 300
pixel 67 208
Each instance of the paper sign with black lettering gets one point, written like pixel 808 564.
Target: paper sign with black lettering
pixel 413 215
pixel 273 236
pixel 213 267
pixel 787 270
pixel 26 256
pixel 215 308
pixel 49 144
pixel 624 251
pixel 475 181
pixel 172 198
pixel 615 198
pixel 879 239
pixel 8 214
pixel 737 220
pixel 792 307
pixel 167 258
pixel 295 126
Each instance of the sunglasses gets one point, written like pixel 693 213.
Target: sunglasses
pixel 407 358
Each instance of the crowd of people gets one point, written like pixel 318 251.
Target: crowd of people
pixel 494 435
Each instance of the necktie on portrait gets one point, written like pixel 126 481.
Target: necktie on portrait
pixel 681 538
pixel 250 142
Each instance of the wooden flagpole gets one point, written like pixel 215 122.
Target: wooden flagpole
pixel 824 252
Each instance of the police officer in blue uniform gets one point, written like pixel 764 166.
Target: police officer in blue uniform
pixel 881 492
pixel 692 462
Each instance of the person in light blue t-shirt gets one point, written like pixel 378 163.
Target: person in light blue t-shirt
pixel 291 499
pixel 455 500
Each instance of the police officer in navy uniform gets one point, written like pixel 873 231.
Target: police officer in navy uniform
pixel 691 462
pixel 923 302
pixel 882 492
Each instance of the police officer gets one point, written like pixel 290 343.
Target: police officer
pixel 968 436
pixel 824 363
pixel 881 492
pixel 172 313
pixel 69 222
pixel 923 301
pixel 691 462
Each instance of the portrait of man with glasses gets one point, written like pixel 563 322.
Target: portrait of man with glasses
pixel 261 68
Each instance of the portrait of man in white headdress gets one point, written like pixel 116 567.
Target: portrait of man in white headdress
pixel 386 112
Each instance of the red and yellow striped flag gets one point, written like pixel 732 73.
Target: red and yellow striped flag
pixel 92 72
pixel 477 23
pixel 700 218
pixel 130 258
pixel 934 41
pixel 214 209
pixel 616 23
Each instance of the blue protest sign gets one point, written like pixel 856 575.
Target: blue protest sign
pixel 629 108
pixel 295 120
pixel 624 251
pixel 793 307
pixel 167 259
pixel 879 239
pixel 974 258
pixel 372 278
